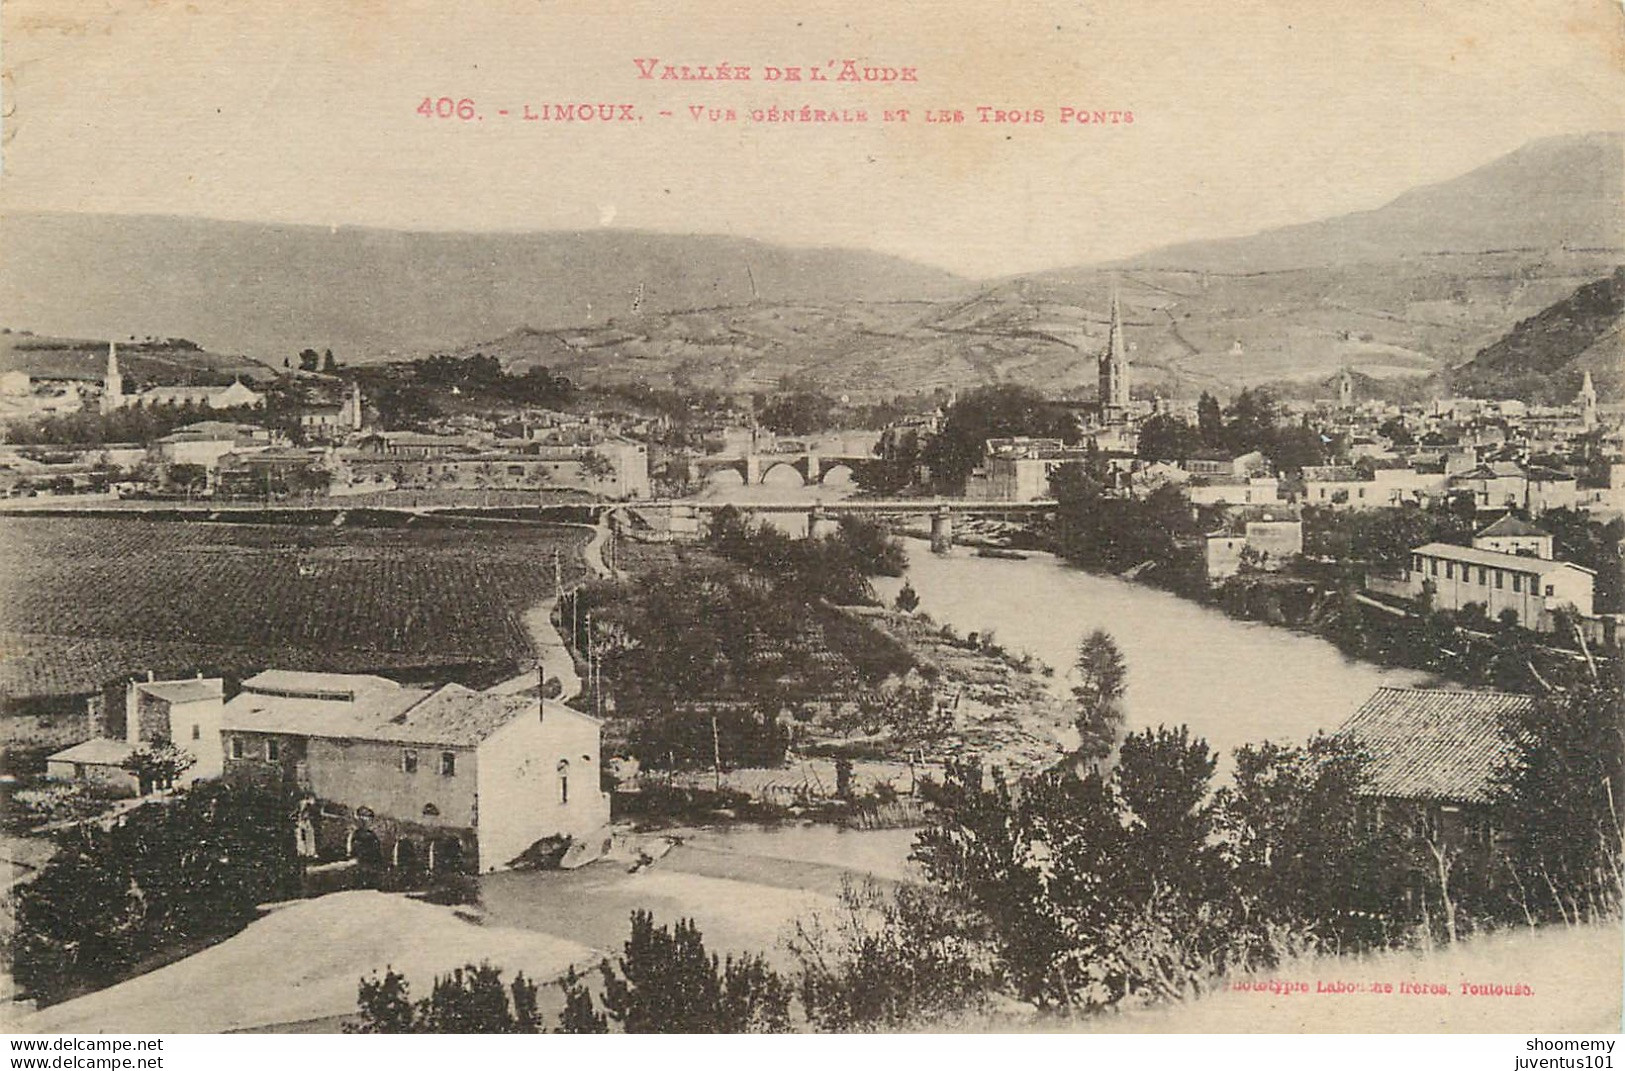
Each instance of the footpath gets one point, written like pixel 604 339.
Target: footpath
pixel 552 652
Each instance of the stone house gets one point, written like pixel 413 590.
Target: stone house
pixel 450 779
pixel 1433 754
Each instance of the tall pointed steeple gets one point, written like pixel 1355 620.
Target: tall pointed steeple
pixel 112 382
pixel 1114 368
pixel 1588 401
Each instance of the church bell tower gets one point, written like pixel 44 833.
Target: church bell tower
pixel 112 382
pixel 1114 370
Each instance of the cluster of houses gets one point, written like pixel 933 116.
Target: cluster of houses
pixel 446 778
pixel 337 453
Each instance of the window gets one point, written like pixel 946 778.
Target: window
pixel 1483 576
pixel 273 749
pixel 409 761
pixel 1517 581
pixel 1449 570
pixel 448 764
pixel 197 731
pixel 1500 579
pixel 1550 590
pixel 564 781
pixel 1433 566
pixel 237 750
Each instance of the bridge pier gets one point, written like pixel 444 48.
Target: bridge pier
pixel 942 531
pixel 812 467
pixel 753 469
pixel 821 524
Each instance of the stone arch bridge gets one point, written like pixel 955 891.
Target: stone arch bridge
pixel 804 468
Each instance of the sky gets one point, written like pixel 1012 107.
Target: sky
pixel 1246 114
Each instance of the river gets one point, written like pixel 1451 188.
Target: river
pixel 1233 682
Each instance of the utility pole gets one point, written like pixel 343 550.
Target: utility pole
pixel 716 753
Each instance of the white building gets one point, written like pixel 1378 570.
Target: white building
pixel 1530 587
pixel 1509 535
pixel 447 778
pixel 185 713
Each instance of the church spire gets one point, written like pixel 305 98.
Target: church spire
pixel 112 382
pixel 1114 368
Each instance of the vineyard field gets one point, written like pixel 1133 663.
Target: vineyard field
pixel 84 601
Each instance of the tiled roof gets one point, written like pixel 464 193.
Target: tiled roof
pixel 1511 526
pixel 97 751
pixel 1433 743
pixel 315 685
pixel 1495 558
pixel 297 715
pixel 453 715
pixel 185 691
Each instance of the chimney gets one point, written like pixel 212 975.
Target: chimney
pixel 151 676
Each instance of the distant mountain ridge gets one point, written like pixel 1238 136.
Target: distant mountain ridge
pixel 1563 192
pixel 1397 293
pixel 270 290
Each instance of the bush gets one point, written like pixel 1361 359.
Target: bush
pixel 469 1000
pixel 891 960
pixel 667 983
pixel 192 867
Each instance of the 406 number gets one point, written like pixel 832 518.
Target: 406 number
pixel 446 108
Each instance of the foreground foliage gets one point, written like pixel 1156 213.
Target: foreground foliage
pixel 168 873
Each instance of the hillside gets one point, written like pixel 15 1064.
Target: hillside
pixel 1398 294
pixel 1187 331
pixel 1546 355
pixel 271 290
pixel 1555 193
pixel 164 361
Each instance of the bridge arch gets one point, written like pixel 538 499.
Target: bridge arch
pixel 838 476
pixel 725 476
pixel 783 474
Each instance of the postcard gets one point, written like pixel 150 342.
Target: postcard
pixel 821 517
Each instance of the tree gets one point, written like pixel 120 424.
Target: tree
pixel 195 867
pixel 1167 438
pixel 1210 420
pixel 989 413
pixel 1102 677
pixel 908 600
pixel 596 467
pixel 800 413
pixel 1071 873
pixel 469 1000
pixel 157 764
pixel 578 1015
pixel 1394 430
pixel 1558 795
pixel 309 360
pixel 330 364
pixel 187 477
pixel 1251 421
pixel 665 982
pixel 1305 855
pixel 890 960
